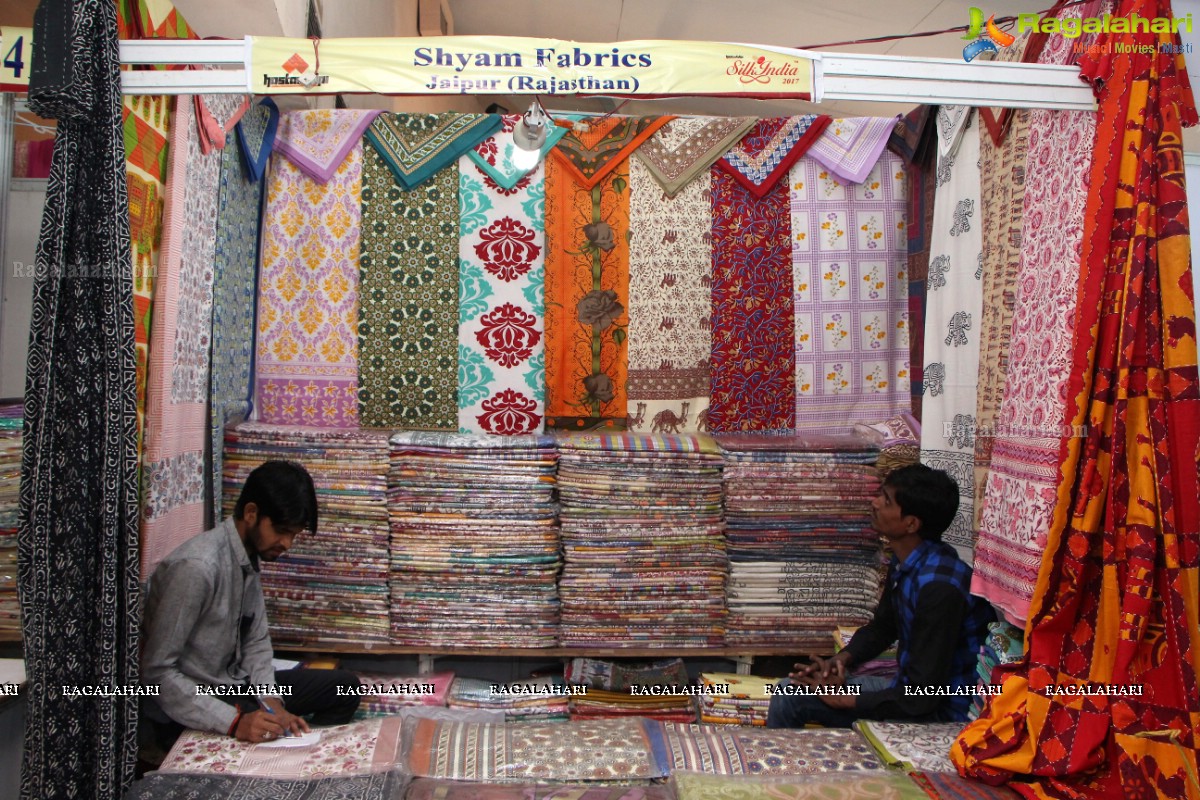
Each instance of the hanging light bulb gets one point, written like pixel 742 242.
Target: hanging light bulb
pixel 529 136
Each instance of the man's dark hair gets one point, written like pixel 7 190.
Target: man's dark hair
pixel 283 492
pixel 928 494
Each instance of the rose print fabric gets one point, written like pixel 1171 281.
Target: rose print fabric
pixel 364 747
pixel 173 471
pixel 306 370
pixel 952 311
pixel 587 294
pixel 670 276
pixel 849 269
pixel 408 331
pixel 753 385
pixel 501 285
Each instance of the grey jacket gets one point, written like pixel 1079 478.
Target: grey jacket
pixel 205 624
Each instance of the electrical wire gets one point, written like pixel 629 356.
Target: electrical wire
pixel 1004 23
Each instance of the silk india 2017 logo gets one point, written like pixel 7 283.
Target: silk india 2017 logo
pixel 985 38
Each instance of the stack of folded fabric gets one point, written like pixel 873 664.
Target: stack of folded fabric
pixel 804 556
pixel 10 500
pixel 643 541
pixel 744 703
pixel 391 694
pixel 332 585
pixel 883 665
pixel 898 440
pixel 532 700
pixel 621 689
pixel 1005 644
pixel 474 540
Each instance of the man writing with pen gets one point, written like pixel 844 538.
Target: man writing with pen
pixel 207 646
pixel 926 609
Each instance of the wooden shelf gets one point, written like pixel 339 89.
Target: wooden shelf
pixel 383 648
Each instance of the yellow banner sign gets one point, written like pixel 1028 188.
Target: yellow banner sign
pixel 514 65
pixel 17 46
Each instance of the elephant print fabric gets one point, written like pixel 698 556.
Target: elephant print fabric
pixel 952 311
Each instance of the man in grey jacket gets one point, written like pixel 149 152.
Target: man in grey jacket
pixel 207 647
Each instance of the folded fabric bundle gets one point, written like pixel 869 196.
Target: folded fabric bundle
pixel 396 692
pixel 534 699
pixel 745 703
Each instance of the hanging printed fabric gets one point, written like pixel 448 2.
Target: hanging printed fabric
pixel 1002 174
pixel 1105 702
pixel 670 275
pixel 173 470
pixel 408 332
pixel 1019 499
pixel 501 286
pixel 306 362
pixel 764 155
pixel 849 148
pixel 753 351
pixel 417 146
pixel 684 149
pixel 952 310
pixel 77 547
pixel 587 271
pixel 235 273
pixel 848 257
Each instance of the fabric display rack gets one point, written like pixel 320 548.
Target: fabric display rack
pixel 368 292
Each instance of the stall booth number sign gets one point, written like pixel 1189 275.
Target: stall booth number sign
pixel 522 66
pixel 17 46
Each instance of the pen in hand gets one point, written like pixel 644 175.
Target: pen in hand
pixel 263 705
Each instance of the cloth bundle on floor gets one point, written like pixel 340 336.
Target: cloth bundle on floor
pixel 745 703
pixel 431 789
pixel 804 559
pixel 643 541
pixel 533 700
pixel 474 541
pixel 830 786
pixel 912 745
pixel 609 685
pixel 396 693
pixel 332 585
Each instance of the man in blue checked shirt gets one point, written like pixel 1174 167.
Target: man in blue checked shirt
pixel 927 609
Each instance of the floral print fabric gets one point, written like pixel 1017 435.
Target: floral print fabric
pixel 181 337
pixel 501 285
pixel 850 282
pixel 408 328
pixel 367 746
pixel 753 384
pixel 306 369
pixel 736 750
